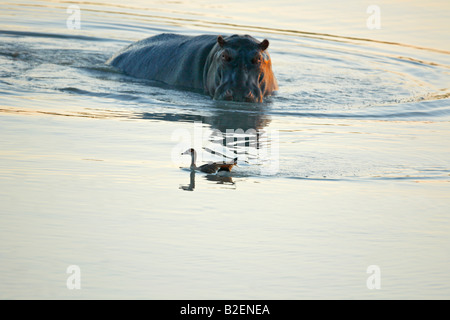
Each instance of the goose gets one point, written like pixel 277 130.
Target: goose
pixel 211 167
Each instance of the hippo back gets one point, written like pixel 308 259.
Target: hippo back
pixel 170 58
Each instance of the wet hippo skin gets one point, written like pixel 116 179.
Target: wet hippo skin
pixel 236 67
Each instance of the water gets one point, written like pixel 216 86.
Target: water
pixel 353 167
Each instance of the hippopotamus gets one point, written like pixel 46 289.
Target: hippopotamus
pixel 235 67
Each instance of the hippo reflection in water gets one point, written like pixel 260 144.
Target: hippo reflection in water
pixel 236 67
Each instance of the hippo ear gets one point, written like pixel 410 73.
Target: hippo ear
pixel 220 41
pixel 264 44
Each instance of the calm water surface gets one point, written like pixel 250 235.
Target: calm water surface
pixel 351 167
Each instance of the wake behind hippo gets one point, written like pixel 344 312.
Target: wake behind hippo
pixel 236 67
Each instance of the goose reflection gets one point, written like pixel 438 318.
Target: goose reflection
pixel 219 179
pixel 191 185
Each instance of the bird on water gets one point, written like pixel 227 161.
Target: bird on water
pixel 211 167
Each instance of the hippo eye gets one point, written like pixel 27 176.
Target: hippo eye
pixel 226 57
pixel 256 59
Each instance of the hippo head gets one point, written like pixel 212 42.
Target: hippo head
pixel 239 68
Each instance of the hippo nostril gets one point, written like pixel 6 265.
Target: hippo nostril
pixel 228 95
pixel 249 97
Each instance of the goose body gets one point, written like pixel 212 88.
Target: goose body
pixel 212 167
